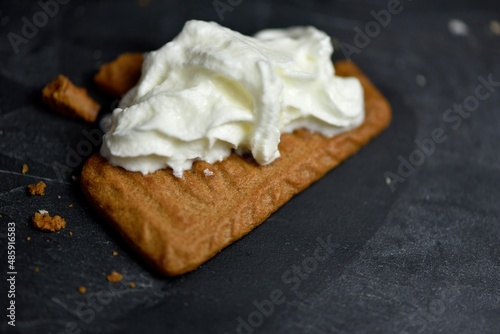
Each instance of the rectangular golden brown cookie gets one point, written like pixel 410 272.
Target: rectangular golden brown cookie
pixel 178 224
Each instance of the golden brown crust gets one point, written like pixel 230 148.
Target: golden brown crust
pixel 119 75
pixel 62 96
pixel 114 277
pixel 37 189
pixel 178 224
pixel 44 222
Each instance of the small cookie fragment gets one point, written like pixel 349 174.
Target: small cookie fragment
pixel 37 269
pixel 25 169
pixel 115 253
pixel 132 285
pixel 28 238
pixel 44 222
pixel 69 100
pixel 118 76
pixel 81 289
pixel 114 277
pixel 37 189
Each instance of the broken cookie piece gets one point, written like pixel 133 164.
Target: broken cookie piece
pixel 44 222
pixel 69 100
pixel 37 189
pixel 118 76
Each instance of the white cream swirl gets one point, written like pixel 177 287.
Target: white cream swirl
pixel 212 90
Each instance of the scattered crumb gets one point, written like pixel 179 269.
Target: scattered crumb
pixel 28 238
pixel 58 196
pixel 421 80
pixel 74 177
pixel 25 169
pixel 69 100
pixel 70 205
pixel 495 27
pixel 132 285
pixel 37 269
pixel 70 233
pixel 43 211
pixel 208 172
pixel 388 180
pixel 458 27
pixel 44 222
pixel 37 189
pixel 114 277
pixel 82 289
pixel 115 253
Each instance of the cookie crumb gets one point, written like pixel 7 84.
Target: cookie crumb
pixel 388 180
pixel 70 205
pixel 208 172
pixel 28 238
pixel 58 196
pixel 37 189
pixel 25 169
pixel 69 100
pixel 43 211
pixel 114 277
pixel 115 253
pixel 37 269
pixel 81 289
pixel 70 233
pixel 44 222
pixel 132 285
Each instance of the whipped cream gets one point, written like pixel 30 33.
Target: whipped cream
pixel 211 90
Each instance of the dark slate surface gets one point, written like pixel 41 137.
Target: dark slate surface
pixel 422 259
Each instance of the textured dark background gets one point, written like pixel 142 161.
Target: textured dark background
pixel 422 259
